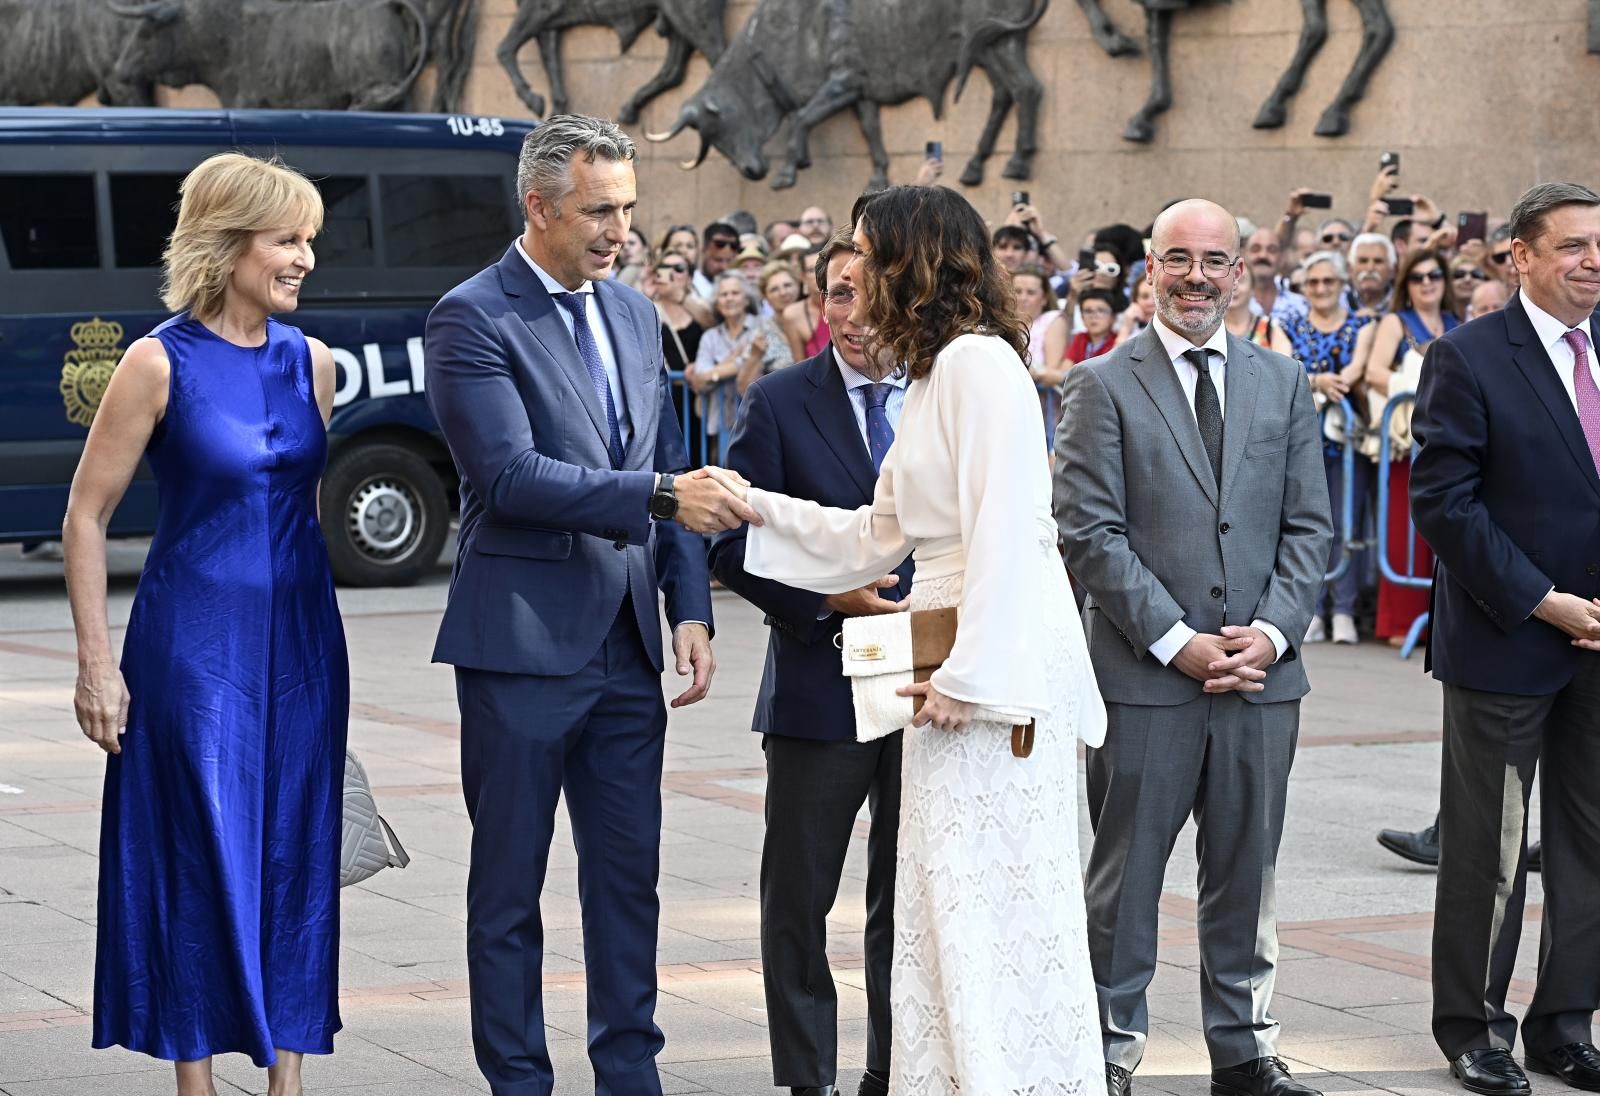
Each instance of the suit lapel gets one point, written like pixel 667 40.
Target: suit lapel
pixel 1540 372
pixel 1242 387
pixel 629 353
pixel 829 407
pixel 1154 370
pixel 533 303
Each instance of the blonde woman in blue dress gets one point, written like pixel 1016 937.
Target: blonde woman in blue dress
pixel 991 987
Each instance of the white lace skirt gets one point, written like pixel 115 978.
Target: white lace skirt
pixel 992 993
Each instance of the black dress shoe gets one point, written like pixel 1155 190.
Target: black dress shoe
pixel 824 1090
pixel 873 1084
pixel 1261 1077
pixel 1578 1064
pixel 1421 847
pixel 1119 1081
pixel 1536 863
pixel 1492 1072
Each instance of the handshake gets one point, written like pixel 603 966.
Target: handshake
pixel 713 499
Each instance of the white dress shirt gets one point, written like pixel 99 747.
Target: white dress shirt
pixel 1167 647
pixel 1551 332
pixel 602 337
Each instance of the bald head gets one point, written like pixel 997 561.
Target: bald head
pixel 1194 214
pixel 1201 240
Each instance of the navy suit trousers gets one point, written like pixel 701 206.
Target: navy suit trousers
pixel 597 736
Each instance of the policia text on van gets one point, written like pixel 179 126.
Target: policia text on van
pixel 415 204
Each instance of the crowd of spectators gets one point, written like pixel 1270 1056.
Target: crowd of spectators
pixel 1354 299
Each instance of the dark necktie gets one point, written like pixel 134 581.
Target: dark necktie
pixel 880 435
pixel 1588 394
pixel 589 351
pixel 1207 409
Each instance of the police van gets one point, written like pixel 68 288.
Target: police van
pixel 415 204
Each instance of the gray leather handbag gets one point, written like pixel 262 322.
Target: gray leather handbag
pixel 368 844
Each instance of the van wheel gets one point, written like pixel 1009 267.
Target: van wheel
pixel 384 515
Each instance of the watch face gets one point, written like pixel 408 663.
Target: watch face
pixel 663 507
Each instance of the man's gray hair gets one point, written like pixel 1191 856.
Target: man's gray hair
pixel 1333 259
pixel 1366 239
pixel 544 166
pixel 1528 216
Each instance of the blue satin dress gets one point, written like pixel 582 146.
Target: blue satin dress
pixel 219 842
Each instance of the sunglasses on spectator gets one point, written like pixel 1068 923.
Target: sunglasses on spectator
pixel 1336 238
pixel 1419 276
pixel 1500 258
pixel 1470 272
pixel 676 268
pixel 722 242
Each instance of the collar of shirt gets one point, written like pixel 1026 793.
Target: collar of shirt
pixel 1177 345
pixel 854 378
pixel 551 285
pixel 1551 330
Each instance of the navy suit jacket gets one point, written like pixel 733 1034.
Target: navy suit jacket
pixel 1505 492
pixel 552 537
pixel 797 434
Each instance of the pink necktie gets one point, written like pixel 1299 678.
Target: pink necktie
pixel 1588 392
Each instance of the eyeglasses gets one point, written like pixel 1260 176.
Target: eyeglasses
pixel 1321 283
pixel 1177 265
pixel 1417 277
pixel 1336 238
pixel 1500 258
pixel 1470 272
pixel 722 242
pixel 676 268
pixel 841 295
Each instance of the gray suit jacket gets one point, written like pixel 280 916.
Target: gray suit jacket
pixel 1151 538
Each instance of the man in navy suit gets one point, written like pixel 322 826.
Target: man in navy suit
pixel 1506 489
pixel 818 430
pixel 548 382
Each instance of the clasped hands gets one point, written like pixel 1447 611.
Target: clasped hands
pixel 713 499
pixel 1234 662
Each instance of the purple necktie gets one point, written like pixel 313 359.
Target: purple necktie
pixel 589 351
pixel 1588 392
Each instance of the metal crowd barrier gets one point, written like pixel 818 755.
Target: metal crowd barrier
pixel 703 446
pixel 1409 577
pixel 1350 542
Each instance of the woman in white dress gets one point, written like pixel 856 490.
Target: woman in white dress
pixel 991 993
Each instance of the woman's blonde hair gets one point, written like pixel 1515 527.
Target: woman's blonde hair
pixel 225 201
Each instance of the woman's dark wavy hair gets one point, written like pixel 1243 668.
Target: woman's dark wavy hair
pixel 932 276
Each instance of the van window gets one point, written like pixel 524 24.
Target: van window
pixel 48 221
pixel 144 209
pixel 445 220
pixel 346 236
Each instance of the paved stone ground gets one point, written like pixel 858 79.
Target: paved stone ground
pixel 1352 986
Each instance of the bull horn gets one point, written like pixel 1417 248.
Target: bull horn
pixel 705 147
pixel 669 134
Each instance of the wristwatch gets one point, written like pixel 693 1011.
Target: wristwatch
pixel 664 503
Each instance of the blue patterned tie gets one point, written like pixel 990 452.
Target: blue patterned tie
pixel 880 435
pixel 589 351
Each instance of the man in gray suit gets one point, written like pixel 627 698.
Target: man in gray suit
pixel 1190 491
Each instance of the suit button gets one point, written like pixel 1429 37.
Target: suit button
pixel 1216 591
pixel 1224 527
pixel 619 545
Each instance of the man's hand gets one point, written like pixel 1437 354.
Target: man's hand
pixel 1578 618
pixel 865 601
pixel 938 709
pixel 1376 212
pixel 1388 178
pixel 691 645
pixel 707 505
pixel 1245 668
pixel 1296 205
pixel 1205 651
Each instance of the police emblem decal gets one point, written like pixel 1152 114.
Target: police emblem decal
pixel 86 370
